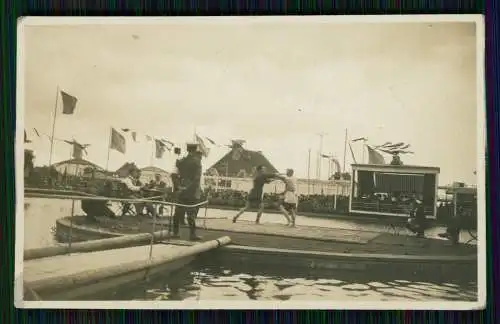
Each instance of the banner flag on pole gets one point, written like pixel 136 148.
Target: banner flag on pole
pixel 359 139
pixel 69 103
pixel 117 141
pixel 134 136
pixel 149 138
pixel 374 157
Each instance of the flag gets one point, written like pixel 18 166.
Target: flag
pixel 397 145
pixel 160 149
pixel 352 153
pixel 210 140
pixel 134 136
pixel 149 138
pixel 359 139
pixel 201 144
pixel 26 140
pixel 404 147
pixel 125 129
pixel 374 157
pixel 325 156
pixel 117 141
pixel 168 145
pixel 69 103
pixel 36 132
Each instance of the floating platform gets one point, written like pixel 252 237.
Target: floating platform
pixel 306 246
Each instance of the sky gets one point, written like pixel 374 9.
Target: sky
pixel 277 85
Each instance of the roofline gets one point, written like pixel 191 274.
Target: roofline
pixel 395 168
pixel 70 160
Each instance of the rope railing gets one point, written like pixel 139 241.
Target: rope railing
pixel 75 195
pixel 101 198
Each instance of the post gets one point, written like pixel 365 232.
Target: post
pixel 364 149
pixel 71 224
pixel 53 128
pixel 153 141
pixel 345 150
pixel 309 172
pixel 109 147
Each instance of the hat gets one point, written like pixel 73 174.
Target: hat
pixel 191 145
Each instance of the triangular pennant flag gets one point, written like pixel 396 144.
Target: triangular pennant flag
pixel 325 156
pixel 149 138
pixel 134 136
pixel 117 141
pixel 69 103
pixel 36 132
pixel 160 149
pixel 202 147
pixel 210 140
pixel 359 139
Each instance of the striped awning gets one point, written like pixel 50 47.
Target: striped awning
pixel 392 182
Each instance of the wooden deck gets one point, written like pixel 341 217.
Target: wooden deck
pixel 299 232
pixel 331 240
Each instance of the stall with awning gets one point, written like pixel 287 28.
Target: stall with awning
pixel 390 189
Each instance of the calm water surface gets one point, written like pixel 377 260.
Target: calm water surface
pixel 212 282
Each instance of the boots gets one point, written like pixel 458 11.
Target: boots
pixel 175 228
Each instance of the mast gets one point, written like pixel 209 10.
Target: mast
pixel 53 127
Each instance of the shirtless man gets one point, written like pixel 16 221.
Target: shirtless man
pixel 256 194
pixel 290 200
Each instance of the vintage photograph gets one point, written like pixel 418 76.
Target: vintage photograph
pixel 251 162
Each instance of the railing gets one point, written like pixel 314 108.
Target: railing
pixel 74 195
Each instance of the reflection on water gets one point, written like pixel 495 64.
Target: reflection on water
pixel 219 283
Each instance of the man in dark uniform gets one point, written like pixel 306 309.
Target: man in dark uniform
pixel 188 191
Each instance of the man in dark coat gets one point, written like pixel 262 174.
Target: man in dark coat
pixel 255 196
pixel 188 190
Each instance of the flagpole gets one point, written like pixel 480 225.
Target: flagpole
pixel 53 127
pixel 109 147
pixel 364 149
pixel 309 172
pixel 345 149
pixel 153 141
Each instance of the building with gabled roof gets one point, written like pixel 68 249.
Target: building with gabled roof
pixel 240 163
pixel 76 167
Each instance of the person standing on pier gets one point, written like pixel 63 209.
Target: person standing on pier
pixel 290 200
pixel 189 192
pixel 255 196
pixel 176 182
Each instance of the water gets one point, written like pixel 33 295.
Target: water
pixel 214 282
pixel 203 280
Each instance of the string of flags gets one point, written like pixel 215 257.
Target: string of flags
pixel 118 141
